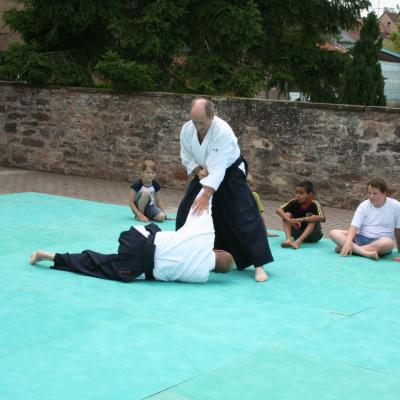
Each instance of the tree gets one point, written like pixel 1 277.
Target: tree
pixel 199 46
pixel 364 82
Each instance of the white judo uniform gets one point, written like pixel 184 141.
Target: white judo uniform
pixel 185 255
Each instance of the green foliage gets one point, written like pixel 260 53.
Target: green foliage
pixel 126 75
pixel 364 82
pixel 202 46
pixel 395 39
pixel 22 63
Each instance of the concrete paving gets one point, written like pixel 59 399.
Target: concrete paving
pixel 13 180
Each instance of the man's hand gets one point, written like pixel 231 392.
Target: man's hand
pixel 202 202
pixel 202 173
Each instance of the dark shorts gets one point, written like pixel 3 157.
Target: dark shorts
pixel 313 237
pixel 151 210
pixel 363 240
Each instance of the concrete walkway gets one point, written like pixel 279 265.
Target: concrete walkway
pixel 13 180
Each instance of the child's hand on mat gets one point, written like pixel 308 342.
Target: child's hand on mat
pixel 347 249
pixel 142 218
pixel 396 259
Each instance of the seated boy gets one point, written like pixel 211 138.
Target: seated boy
pixel 375 224
pixel 301 217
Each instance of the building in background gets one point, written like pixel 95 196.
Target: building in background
pixel 6 36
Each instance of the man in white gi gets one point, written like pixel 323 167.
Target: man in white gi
pixel 376 223
pixel 186 255
pixel 210 153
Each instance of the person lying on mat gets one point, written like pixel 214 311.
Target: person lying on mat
pixel 375 224
pixel 301 217
pixel 146 252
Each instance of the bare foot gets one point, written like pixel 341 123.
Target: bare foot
pixel 295 245
pixel 287 243
pixel 260 275
pixel 338 249
pixel 396 259
pixel 36 256
pixel 40 255
pixel 373 255
pixel 269 234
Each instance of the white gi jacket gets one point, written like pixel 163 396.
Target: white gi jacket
pixel 218 151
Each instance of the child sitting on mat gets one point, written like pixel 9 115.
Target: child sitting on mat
pixel 301 217
pixel 144 199
pixel 260 205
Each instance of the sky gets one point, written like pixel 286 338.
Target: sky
pixel 379 5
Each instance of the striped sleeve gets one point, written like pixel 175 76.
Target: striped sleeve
pixel 318 208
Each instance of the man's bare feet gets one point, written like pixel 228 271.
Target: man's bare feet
pixel 286 243
pixel 260 275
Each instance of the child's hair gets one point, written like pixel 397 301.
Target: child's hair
pixel 149 164
pixel 378 183
pixel 307 186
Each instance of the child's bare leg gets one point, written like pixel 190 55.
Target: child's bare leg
pixel 260 275
pixel 382 246
pixel 362 251
pixel 40 255
pixel 310 227
pixel 143 201
pixel 160 217
pixel 339 237
pixel 287 227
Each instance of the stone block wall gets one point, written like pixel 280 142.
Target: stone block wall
pixel 98 133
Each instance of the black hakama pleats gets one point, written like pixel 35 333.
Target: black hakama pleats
pixel 135 256
pixel 239 228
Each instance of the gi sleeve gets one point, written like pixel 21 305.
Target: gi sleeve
pixel 188 160
pixel 220 152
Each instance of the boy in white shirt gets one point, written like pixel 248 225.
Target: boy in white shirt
pixel 375 224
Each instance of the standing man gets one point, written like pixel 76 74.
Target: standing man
pixel 210 153
pixel 376 223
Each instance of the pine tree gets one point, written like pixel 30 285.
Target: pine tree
pixel 197 46
pixel 364 82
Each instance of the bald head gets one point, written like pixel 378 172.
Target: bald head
pixel 202 114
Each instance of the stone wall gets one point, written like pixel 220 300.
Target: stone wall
pixel 103 134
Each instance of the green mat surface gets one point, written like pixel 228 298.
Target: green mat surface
pixel 323 327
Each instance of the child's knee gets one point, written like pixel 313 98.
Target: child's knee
pixel 160 217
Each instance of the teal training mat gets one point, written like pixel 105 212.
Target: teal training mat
pixel 322 327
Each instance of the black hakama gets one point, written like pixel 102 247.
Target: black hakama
pixel 135 256
pixel 239 228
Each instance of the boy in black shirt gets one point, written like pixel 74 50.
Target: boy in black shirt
pixel 301 217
